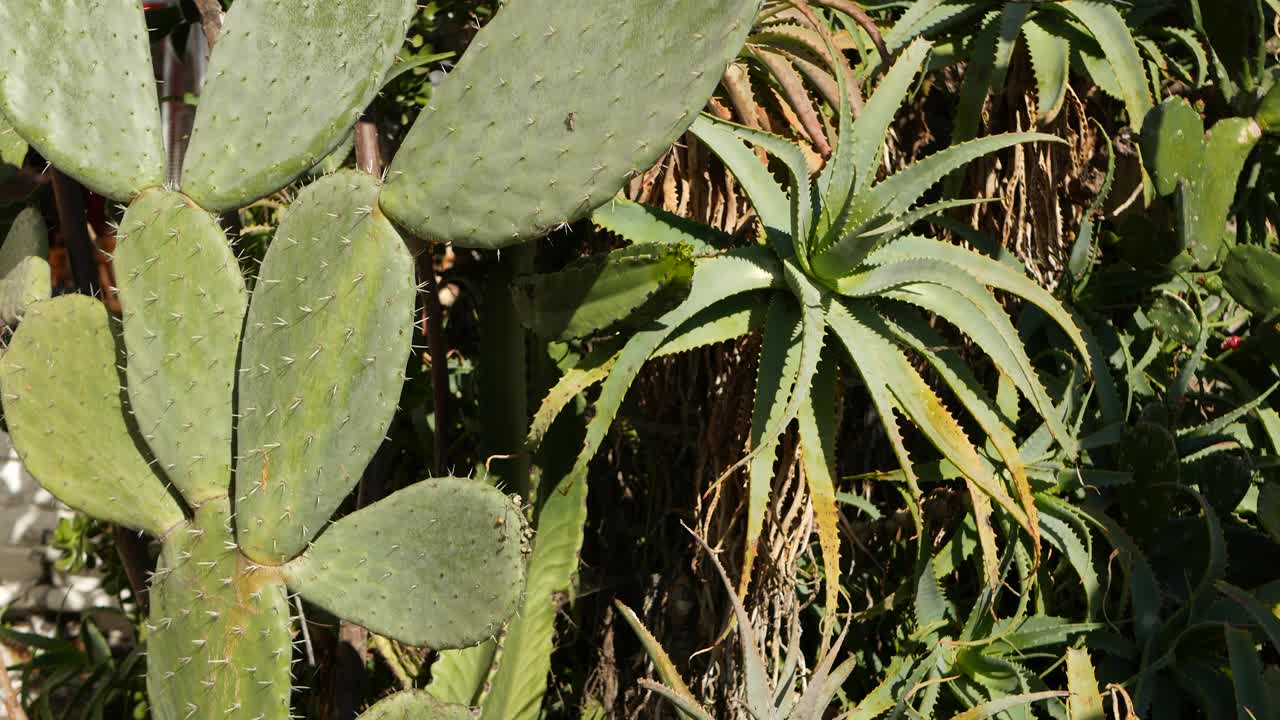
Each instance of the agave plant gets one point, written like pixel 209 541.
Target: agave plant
pixel 836 260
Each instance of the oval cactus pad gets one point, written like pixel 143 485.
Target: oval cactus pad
pixel 556 104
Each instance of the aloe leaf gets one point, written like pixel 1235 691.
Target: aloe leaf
pixel 901 191
pixel 661 661
pixel 893 226
pixel 1066 533
pixel 1144 589
pixel 1108 27
pixel 813 304
pixel 1082 251
pixel 638 223
pixel 1221 424
pixel 592 369
pixel 835 180
pixel 871 127
pixel 897 194
pixel 976 86
pixel 986 271
pixel 769 200
pixel 520 680
pixel 1262 614
pixel 892 687
pixel 790 85
pixel 776 374
pixel 881 363
pixel 723 321
pixel 683 704
pixel 1247 675
pixel 759 695
pixel 919 17
pixel 631 285
pixel 944 290
pixel 714 279
pixel 817 423
pixel 912 330
pixel 801 191
pixel 1012 19
pixel 996 707
pixel 1085 702
pixel 1051 63
pixel 458 676
pixel 1038 632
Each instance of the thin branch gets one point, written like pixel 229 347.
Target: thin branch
pixel 211 17
pixel 860 16
pixel 368 154
pixel 69 198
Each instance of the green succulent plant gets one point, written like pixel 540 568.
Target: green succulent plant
pixel 308 391
pixel 1085 34
pixel 837 259
pixel 232 429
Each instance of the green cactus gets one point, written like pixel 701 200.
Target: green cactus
pixel 440 563
pixel 415 705
pixel 1252 275
pixel 286 84
pixel 1172 143
pixel 77 85
pixel 231 429
pixel 220 642
pixel 1202 169
pixel 325 339
pixel 554 106
pixel 24 266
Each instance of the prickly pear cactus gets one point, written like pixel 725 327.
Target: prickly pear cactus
pixel 287 82
pixel 415 705
pixel 556 104
pixel 231 427
pixel 24 266
pixel 318 371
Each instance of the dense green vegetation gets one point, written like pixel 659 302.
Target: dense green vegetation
pixel 741 359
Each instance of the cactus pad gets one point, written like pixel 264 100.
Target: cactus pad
pixel 556 104
pixel 415 705
pixel 440 563
pixel 62 398
pixel 322 363
pixel 24 266
pixel 13 151
pixel 1172 143
pixel 1208 197
pixel 76 82
pixel 184 302
pixel 1252 275
pixel 219 633
pixel 287 81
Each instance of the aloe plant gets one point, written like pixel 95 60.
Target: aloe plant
pixel 835 258
pixel 1085 34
